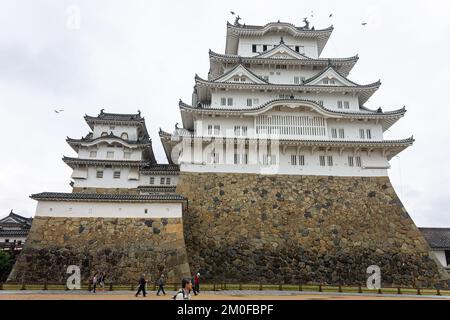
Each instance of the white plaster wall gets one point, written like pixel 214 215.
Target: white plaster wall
pixel 103 148
pixel 117 130
pixel 440 255
pixel 273 39
pixel 312 166
pixel 12 238
pixel 107 209
pixel 227 124
pixel 282 76
pixel 108 180
pixel 240 98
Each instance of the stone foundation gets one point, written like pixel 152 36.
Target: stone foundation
pixel 291 229
pixel 123 248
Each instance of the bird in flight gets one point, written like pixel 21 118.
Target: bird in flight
pixel 330 15
pixel 58 111
pixel 364 23
pixel 232 12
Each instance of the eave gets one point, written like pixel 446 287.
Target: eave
pixel 76 143
pixel 344 65
pixel 74 162
pixel 364 92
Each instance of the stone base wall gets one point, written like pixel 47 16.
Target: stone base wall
pixel 291 229
pixel 123 248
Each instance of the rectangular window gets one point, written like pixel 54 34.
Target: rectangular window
pixel 273 159
pixel 99 174
pixel 341 134
pixel 358 161
pixel 330 161
pixel 167 181
pixel 244 131
pixel 216 130
pixel 334 133
pixel 302 79
pixel 249 102
pixel 264 47
pixel 346 105
pixel 254 48
pixel 210 128
pixel 236 79
pixel 245 158
pixel 237 130
pixel 320 102
pixel 322 161
pixel 332 81
pixel 350 161
pixel 116 175
pixel 296 80
pixel 361 134
pixel 162 181
pixel 93 154
pixel 300 49
pixel 447 257
pixel 301 160
pixel 110 154
pixel 236 158
pixel 152 180
pixel 6 240
pixel 325 81
pixel 127 155
pixel 230 101
pixel 293 160
pixel 339 104
pixel 368 134
pixel 223 101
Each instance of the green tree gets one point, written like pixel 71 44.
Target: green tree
pixel 5 265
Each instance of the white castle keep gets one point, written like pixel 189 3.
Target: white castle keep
pixel 271 104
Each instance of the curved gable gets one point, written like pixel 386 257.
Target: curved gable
pixel 240 74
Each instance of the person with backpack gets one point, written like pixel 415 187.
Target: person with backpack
pixel 161 282
pixel 142 283
pixel 94 282
pixel 184 292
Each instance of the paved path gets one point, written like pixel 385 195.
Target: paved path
pixel 206 295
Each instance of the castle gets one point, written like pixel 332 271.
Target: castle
pixel 278 174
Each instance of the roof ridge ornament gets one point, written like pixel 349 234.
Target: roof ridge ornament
pixel 306 26
pixel 102 111
pixel 281 40
pixel 236 21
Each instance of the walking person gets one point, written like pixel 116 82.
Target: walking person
pixel 197 283
pixel 193 283
pixel 184 293
pixel 94 282
pixel 161 282
pixel 142 284
pixel 101 280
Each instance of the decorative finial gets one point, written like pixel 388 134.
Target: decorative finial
pixel 306 26
pixel 176 125
pixel 101 111
pixel 329 62
pixel 239 59
pixel 379 110
pixel 236 21
pixel 11 211
pixel 278 20
pixel 281 40
pixel 160 130
pixel 139 113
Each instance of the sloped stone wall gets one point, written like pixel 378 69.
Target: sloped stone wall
pixel 291 229
pixel 123 248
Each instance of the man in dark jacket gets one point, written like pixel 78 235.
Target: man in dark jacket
pixel 161 281
pixel 142 283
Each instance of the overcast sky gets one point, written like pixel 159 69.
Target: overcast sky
pixel 137 54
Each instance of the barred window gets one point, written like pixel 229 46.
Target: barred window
pixel 99 174
pixel 346 104
pixel 249 102
pixel 116 175
pixel 334 133
pixel 330 161
pixel 162 181
pixel 341 133
pixel 244 131
pixel 237 130
pixel 223 101
pixel 350 161
pixel 152 180
pixel 358 161
pixel 216 130
pixel 361 134
pixel 368 134
pixel 294 160
pixel 339 104
pixel 167 181
pixel 210 127
pixel 230 101
pixel 301 160
pixel 322 161
pixel 296 80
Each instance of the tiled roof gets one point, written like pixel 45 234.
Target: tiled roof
pixel 157 188
pixel 255 27
pixel 161 168
pixel 437 238
pixel 12 233
pixel 103 162
pixel 118 116
pixel 99 197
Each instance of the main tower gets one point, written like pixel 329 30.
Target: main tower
pixel 286 170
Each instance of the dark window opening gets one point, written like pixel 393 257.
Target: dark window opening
pixel 447 257
pixel 264 47
pixel 254 48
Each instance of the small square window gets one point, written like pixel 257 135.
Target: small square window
pixel 249 102
pixel 110 154
pixel 168 181
pixel 254 48
pixel 223 101
pixel 230 101
pixel 99 174
pixel 162 181
pixel 116 175
pixel 152 180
